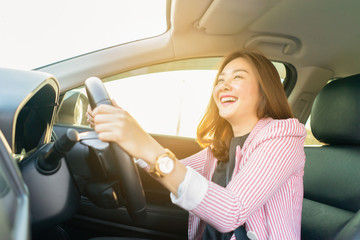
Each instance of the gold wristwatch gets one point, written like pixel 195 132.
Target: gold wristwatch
pixel 164 164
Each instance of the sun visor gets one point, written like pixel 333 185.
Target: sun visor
pixel 285 45
pixel 225 17
pixel 27 98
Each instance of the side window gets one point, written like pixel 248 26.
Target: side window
pixel 168 98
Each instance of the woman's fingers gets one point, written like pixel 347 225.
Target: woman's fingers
pixel 113 124
pixel 108 136
pixel 113 101
pixel 104 108
pixel 116 117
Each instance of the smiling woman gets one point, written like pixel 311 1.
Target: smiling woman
pixel 39 32
pixel 262 151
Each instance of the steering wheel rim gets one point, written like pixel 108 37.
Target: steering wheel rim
pixel 122 165
pixel 130 182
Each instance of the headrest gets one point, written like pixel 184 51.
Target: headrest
pixel 335 115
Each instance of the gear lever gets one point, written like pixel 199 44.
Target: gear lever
pixel 49 163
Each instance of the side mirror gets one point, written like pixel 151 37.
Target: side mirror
pixel 72 110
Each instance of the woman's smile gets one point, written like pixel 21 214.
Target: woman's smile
pixel 227 99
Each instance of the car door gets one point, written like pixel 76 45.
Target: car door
pixel 14 197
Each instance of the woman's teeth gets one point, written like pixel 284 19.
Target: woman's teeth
pixel 228 99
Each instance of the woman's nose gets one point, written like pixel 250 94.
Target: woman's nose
pixel 226 85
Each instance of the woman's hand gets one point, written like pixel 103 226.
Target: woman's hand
pixel 114 124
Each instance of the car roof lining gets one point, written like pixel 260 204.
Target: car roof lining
pixel 320 30
pixel 229 17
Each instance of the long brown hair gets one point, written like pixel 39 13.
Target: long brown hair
pixel 216 132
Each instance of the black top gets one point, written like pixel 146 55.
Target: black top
pixel 222 176
pixel 224 170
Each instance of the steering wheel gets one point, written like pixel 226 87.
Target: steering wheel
pixel 122 165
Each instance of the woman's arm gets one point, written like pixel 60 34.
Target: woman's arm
pixel 114 124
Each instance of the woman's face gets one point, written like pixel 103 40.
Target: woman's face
pixel 236 93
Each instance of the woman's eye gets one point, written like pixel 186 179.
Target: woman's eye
pixel 238 76
pixel 220 80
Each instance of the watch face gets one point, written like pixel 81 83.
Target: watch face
pixel 166 165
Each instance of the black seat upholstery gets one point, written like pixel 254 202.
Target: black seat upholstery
pixel 332 172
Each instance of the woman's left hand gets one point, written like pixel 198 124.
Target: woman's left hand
pixel 114 124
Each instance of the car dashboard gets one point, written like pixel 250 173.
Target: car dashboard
pixel 28 105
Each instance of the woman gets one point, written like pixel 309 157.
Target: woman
pixel 250 171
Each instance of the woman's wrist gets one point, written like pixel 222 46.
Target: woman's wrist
pixel 153 154
pixel 171 180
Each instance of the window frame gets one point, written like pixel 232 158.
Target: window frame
pixel 189 64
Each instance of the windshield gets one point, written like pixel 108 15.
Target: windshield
pixel 39 32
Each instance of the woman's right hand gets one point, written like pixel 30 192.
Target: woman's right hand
pixel 114 124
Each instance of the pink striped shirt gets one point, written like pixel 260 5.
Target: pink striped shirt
pixel 266 190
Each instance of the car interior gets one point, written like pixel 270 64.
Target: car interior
pixel 331 192
pixel 59 181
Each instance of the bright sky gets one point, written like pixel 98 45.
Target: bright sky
pixel 38 32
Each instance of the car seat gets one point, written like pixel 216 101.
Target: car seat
pixel 332 171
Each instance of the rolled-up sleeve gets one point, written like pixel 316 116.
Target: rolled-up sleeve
pixel 191 191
